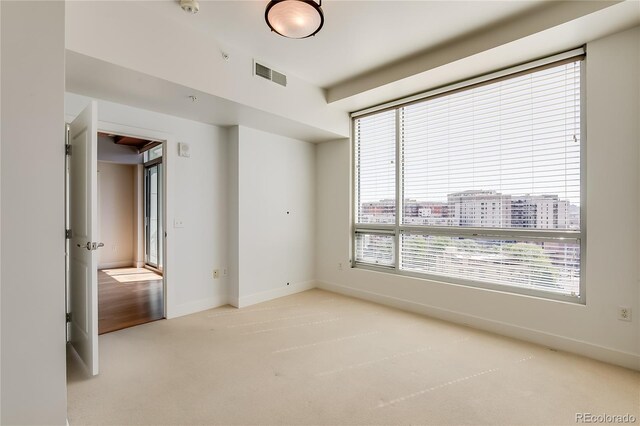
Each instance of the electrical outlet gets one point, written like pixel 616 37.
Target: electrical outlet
pixel 340 266
pixel 216 274
pixel 225 272
pixel 624 313
pixel 178 223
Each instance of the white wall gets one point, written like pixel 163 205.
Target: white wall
pixel 229 168
pixel 114 153
pixel 33 388
pixel 613 188
pixel 196 194
pixel 116 214
pixel 274 201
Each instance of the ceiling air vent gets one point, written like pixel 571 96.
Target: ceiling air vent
pixel 266 72
pixel 263 71
pixel 279 78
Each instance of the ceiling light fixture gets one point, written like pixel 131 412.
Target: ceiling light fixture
pixel 294 18
pixel 190 6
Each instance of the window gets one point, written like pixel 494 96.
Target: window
pixel 152 153
pixel 479 185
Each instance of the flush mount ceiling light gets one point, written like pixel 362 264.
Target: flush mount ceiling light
pixel 190 6
pixel 294 18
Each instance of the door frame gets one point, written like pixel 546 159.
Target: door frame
pixel 146 237
pixel 166 139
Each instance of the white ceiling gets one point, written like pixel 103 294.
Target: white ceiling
pixel 358 36
pixel 368 53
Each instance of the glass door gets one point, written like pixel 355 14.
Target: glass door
pixel 153 213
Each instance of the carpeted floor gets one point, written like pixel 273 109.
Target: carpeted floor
pixel 322 358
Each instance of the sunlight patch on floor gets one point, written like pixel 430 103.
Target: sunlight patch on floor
pixel 129 275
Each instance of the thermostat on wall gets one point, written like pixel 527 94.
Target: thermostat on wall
pixel 183 149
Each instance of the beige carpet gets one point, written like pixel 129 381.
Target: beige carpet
pixel 321 358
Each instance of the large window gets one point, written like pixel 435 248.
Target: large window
pixel 478 185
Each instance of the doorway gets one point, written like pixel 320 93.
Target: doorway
pixel 84 247
pixel 130 200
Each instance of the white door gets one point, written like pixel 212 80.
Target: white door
pixel 83 222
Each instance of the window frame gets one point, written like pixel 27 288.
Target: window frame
pixel 517 234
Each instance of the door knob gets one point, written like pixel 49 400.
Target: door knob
pixel 91 246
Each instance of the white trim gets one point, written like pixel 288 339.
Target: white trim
pixel 125 130
pixel 197 306
pixel 265 296
pixel 579 347
pixel 118 264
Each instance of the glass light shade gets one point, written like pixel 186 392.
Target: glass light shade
pixel 294 18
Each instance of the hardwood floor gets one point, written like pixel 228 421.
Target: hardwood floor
pixel 128 297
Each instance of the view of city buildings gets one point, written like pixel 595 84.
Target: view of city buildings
pixel 553 265
pixel 480 209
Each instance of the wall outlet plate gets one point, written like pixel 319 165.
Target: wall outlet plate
pixel 216 274
pixel 624 313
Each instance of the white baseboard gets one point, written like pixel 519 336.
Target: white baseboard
pixel 601 353
pixel 119 264
pixel 265 296
pixel 197 306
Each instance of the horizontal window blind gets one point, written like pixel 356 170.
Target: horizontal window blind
pixel 549 265
pixel 376 170
pixel 502 155
pixel 501 161
pixel 376 249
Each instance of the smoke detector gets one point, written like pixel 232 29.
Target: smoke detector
pixel 190 6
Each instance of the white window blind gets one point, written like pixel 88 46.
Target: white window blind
pixel 505 154
pixel 377 249
pixel 489 180
pixel 552 266
pixel 376 170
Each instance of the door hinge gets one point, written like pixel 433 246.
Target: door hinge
pixel 67 149
pixel 68 316
pixel 67 234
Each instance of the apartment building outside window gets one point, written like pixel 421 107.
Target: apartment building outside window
pixel 478 184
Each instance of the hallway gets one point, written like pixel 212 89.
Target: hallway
pixel 128 297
